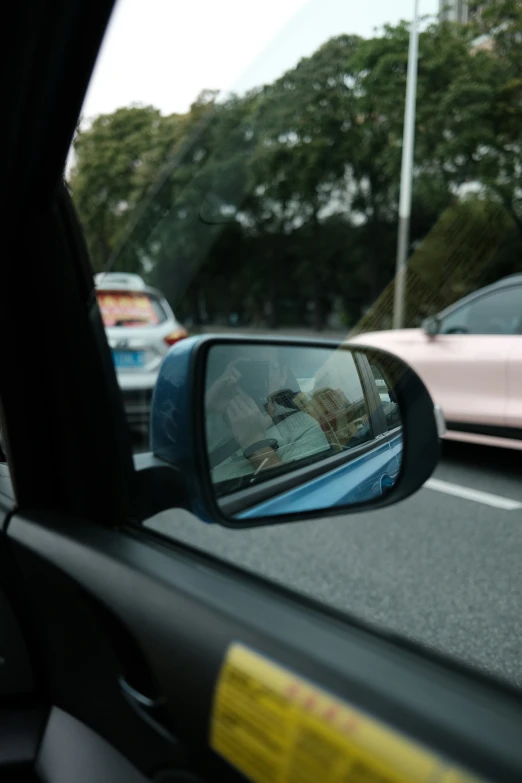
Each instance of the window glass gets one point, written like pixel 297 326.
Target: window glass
pixel 387 397
pixel 122 308
pixel 245 160
pixel 497 313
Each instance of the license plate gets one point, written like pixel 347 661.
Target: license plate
pixel 128 359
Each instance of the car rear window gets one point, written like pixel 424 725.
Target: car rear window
pixel 127 308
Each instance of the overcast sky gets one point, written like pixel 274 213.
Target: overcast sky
pixel 164 52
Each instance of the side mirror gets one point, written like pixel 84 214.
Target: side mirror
pixel 431 326
pixel 255 431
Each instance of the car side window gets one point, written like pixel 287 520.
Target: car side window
pixel 496 313
pixel 273 409
pixel 387 397
pixel 340 403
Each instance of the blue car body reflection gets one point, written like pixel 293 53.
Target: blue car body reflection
pixel 357 481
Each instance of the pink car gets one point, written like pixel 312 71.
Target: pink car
pixel 470 358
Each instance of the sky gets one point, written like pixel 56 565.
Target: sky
pixel 164 52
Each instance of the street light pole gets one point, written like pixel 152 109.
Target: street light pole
pixel 408 142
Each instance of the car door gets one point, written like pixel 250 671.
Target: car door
pixel 466 364
pixel 513 420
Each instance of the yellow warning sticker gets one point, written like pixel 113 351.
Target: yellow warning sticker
pixel 276 727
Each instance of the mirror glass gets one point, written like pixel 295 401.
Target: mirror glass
pixel 282 419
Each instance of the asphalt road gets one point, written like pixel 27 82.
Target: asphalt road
pixel 438 568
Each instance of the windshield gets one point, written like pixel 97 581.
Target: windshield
pixel 121 308
pixel 329 169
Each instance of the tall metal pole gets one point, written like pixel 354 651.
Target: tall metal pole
pixel 408 143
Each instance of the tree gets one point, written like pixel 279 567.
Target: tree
pixel 108 178
pixel 282 203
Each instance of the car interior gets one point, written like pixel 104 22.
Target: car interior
pixel 124 655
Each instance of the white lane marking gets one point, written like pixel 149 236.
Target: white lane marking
pixel 473 494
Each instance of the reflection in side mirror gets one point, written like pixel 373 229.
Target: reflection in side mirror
pixel 297 417
pixel 264 430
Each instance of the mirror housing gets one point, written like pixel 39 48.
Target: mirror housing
pixel 326 486
pixel 431 326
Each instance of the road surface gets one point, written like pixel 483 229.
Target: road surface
pixel 438 568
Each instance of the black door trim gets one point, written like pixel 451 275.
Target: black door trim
pixel 184 609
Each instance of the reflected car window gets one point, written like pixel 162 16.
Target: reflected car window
pixel 389 403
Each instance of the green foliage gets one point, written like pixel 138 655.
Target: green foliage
pixel 281 206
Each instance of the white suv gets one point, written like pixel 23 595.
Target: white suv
pixel 140 328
